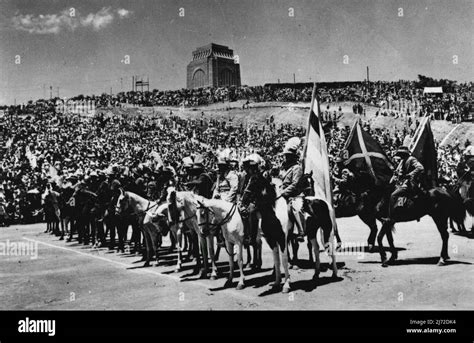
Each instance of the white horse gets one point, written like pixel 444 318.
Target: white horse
pixel 224 214
pixel 182 207
pixel 146 211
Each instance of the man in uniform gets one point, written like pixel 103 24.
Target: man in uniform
pixel 227 183
pixel 409 174
pixel 251 165
pixel 291 175
pixel 201 182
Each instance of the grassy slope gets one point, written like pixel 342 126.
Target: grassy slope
pixel 297 114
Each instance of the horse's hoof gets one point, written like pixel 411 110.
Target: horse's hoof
pixel 228 284
pixel 315 277
pixel 371 248
pixel 393 258
pixel 286 289
pixel 203 276
pixel 213 277
pixel 240 286
pixel 442 262
pixel 147 264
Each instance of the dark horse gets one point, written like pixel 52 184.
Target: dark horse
pixel 436 202
pixel 273 211
pixel 319 217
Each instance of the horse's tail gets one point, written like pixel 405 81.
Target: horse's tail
pixel 469 206
pixel 455 206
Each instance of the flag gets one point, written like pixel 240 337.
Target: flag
pixel 362 153
pixel 423 148
pixel 316 160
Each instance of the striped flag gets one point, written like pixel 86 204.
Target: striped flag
pixel 316 160
pixel 423 148
pixel 362 153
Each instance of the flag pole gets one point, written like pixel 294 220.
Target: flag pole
pixel 309 124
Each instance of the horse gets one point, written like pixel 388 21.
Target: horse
pixel 66 211
pixel 84 202
pixel 274 221
pixel 51 211
pixel 182 208
pixel 128 202
pixel 319 217
pixel 220 213
pixel 436 202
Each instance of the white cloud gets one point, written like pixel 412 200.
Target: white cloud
pixel 123 13
pixel 55 23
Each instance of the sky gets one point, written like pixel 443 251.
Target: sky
pixel 80 46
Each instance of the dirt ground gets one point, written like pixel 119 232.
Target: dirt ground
pixel 58 275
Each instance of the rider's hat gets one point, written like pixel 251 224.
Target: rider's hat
pixel 223 158
pixel 187 162
pixel 403 151
pixel 198 162
pixel 253 160
pixel 291 146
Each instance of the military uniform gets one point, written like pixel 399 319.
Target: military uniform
pixel 227 187
pixel 410 175
pixel 291 176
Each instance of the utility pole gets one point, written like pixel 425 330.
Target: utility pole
pixel 121 85
pixel 44 91
pixel 133 83
pixel 58 91
pixel 50 92
pixel 294 86
pixel 368 83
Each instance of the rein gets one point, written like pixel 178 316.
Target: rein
pixel 223 221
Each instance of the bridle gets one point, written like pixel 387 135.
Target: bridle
pixel 225 220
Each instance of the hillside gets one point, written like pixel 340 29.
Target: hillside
pixel 297 114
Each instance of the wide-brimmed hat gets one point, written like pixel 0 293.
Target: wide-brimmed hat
pixel 403 151
pixel 198 162
pixel 253 160
pixel 291 146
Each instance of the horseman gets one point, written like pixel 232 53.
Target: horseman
pixel 251 166
pixel 227 183
pixel 201 182
pixel 343 183
pixel 292 172
pixel 469 157
pixel 409 175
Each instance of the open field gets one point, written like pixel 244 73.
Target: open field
pixel 73 276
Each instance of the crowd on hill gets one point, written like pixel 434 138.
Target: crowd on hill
pixel 390 97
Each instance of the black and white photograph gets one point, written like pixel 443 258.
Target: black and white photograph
pixel 251 155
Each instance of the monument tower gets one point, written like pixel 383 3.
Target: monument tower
pixel 213 65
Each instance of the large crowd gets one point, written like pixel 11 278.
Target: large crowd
pixel 53 147
pixel 403 97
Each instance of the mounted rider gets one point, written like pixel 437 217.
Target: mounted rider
pixel 343 183
pixel 291 174
pixel 408 176
pixel 227 183
pixel 251 166
pixel 201 182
